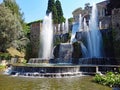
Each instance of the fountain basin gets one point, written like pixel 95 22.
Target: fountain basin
pixel 59 70
pixel 45 70
pixel 38 60
pixel 97 61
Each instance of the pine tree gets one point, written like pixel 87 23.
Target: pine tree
pixel 52 9
pixel 59 12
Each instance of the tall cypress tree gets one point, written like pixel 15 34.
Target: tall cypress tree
pixel 59 12
pixel 52 8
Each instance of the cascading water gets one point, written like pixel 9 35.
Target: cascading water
pixel 46 38
pixel 94 37
pixel 84 50
pixel 63 27
pixel 100 25
pixel 80 22
pixel 65 53
pixel 76 27
pixel 66 26
pixel 58 28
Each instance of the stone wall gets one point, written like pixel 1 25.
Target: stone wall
pixel 105 22
pixel 35 29
pixel 116 22
pixel 116 31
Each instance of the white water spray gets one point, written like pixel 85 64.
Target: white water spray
pixel 46 38
pixel 94 36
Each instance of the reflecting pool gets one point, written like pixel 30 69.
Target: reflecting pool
pixel 76 83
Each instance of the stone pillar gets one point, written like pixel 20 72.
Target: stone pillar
pixel 97 69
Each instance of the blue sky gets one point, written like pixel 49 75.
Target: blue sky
pixel 36 9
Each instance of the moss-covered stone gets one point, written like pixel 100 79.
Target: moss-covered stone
pixel 76 52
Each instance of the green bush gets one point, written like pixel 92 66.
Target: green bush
pixel 24 61
pixel 110 79
pixel 2 67
pixel 5 56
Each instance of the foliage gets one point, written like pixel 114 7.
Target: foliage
pixel 9 30
pixel 13 30
pixel 57 41
pixel 2 67
pixel 59 12
pixel 5 56
pixel 24 61
pixel 70 20
pixel 16 12
pixel 26 30
pixel 38 21
pixel 12 5
pixel 56 9
pixel 52 8
pixel 110 79
pixel 28 51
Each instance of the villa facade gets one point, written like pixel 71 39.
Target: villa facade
pixel 86 12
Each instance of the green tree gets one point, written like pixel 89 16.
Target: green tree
pixel 11 33
pixel 16 11
pixel 52 8
pixel 12 5
pixel 59 12
pixel 71 20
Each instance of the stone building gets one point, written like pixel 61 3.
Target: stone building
pixel 116 31
pixel 76 13
pixel 86 12
pixel 35 29
pixel 104 21
pixel 102 8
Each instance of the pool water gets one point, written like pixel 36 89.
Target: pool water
pixel 73 83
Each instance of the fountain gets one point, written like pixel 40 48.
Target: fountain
pixel 44 65
pixel 95 43
pixel 46 38
pixel 76 27
pixel 64 64
pixel 66 26
pixel 90 38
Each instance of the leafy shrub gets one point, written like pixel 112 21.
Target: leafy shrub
pixel 5 56
pixel 110 79
pixel 24 61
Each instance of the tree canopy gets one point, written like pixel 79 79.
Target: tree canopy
pixel 12 26
pixel 11 33
pixel 12 5
pixel 59 12
pixel 16 11
pixel 52 9
pixel 56 9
